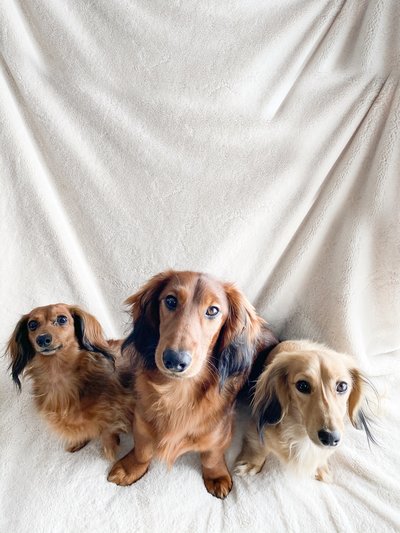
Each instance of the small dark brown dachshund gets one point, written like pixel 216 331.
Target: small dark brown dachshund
pixel 193 344
pixel 78 376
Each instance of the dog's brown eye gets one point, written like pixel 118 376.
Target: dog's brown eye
pixel 33 324
pixel 341 387
pixel 62 319
pixel 171 302
pixel 212 311
pixel 303 386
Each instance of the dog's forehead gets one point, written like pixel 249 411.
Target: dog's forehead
pixel 321 363
pixel 208 289
pixel 196 287
pixel 47 312
pixel 334 364
pixel 305 362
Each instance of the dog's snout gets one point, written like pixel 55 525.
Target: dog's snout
pixel 43 341
pixel 329 438
pixel 176 361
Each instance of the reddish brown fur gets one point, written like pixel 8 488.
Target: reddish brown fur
pixel 78 392
pixel 192 411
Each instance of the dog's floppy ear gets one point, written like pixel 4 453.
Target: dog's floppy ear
pixel 357 414
pixel 239 336
pixel 271 398
pixel 89 333
pixel 144 309
pixel 20 349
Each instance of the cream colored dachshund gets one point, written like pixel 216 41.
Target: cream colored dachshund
pixel 300 405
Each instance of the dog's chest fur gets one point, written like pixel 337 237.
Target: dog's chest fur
pixel 183 416
pixel 79 397
pixel 291 443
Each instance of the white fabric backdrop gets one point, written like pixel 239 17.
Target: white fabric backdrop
pixel 256 140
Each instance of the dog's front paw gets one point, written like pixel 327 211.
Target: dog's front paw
pixel 243 468
pixel 324 474
pixel 219 487
pixel 122 476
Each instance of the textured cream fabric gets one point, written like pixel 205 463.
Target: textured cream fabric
pixel 257 140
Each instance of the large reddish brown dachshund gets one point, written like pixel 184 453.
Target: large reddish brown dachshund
pixel 192 346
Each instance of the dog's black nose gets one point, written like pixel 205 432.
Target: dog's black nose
pixel 43 341
pixel 329 438
pixel 176 361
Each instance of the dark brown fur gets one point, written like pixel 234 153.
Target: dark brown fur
pixel 78 388
pixel 192 411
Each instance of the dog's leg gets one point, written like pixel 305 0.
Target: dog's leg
pixel 76 446
pixel 110 443
pixel 216 476
pixel 324 474
pixel 252 457
pixel 136 463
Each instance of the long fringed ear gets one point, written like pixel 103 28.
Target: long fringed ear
pixel 89 333
pixel 271 398
pixel 357 414
pixel 144 309
pixel 20 350
pixel 237 342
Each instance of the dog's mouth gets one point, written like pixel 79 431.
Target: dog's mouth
pixel 50 350
pixel 173 375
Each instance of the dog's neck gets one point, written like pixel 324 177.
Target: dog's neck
pixel 180 412
pixel 180 391
pixel 296 449
pixel 55 380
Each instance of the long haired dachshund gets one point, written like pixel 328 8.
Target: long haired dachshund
pixel 193 344
pixel 80 385
pixel 301 402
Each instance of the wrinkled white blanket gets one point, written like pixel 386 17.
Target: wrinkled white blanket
pixel 256 140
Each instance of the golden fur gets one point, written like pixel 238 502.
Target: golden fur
pixel 189 410
pixel 77 379
pixel 289 421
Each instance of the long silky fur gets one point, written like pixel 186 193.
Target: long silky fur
pixel 364 420
pixel 144 338
pixel 86 399
pixel 84 343
pixel 269 414
pixel 21 349
pixel 235 359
